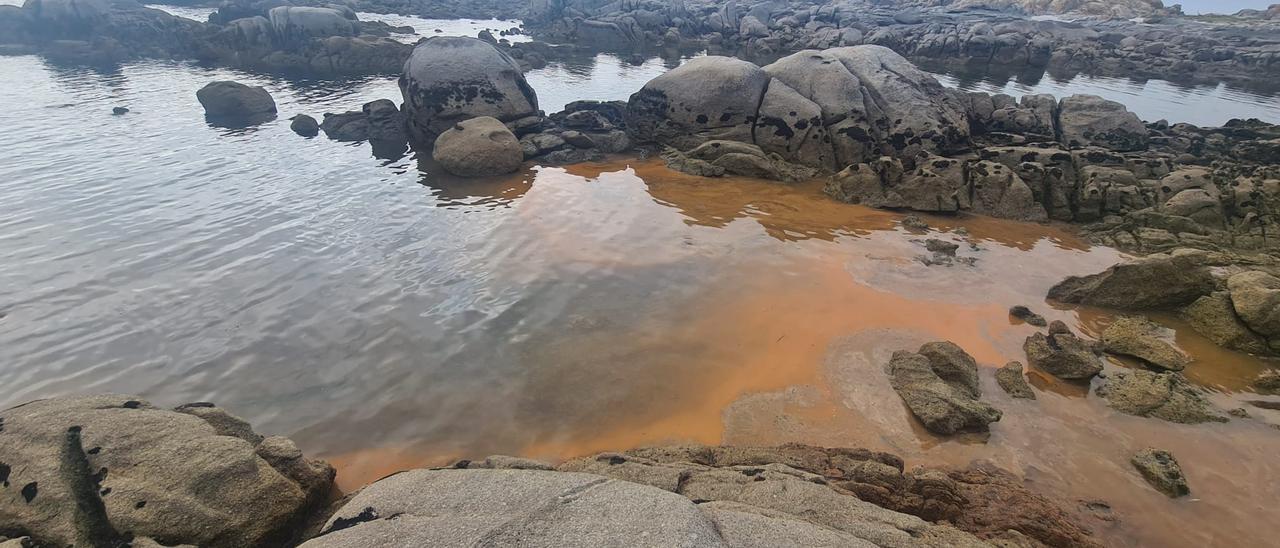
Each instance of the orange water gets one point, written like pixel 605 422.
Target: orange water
pixel 796 304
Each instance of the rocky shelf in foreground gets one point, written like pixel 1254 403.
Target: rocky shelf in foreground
pixel 113 470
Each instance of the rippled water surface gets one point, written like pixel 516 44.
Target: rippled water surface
pixel 386 316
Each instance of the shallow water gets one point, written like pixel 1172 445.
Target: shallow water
pixel 384 316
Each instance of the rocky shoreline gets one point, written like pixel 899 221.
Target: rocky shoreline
pixel 113 470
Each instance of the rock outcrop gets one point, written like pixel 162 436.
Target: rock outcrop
pixel 102 470
pixel 1012 380
pixel 1166 396
pixel 939 384
pixel 1062 354
pixel 1161 470
pixel 1162 281
pixel 1141 338
pixel 232 101
pixel 449 79
pixel 478 147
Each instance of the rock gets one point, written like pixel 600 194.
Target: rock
pixel 1166 396
pixel 236 101
pixel 1026 315
pixel 935 245
pixel 914 222
pixel 1153 282
pixel 448 79
pixel 940 389
pixel 1161 470
pixel 707 98
pixel 1140 338
pixel 98 470
pixel 505 462
pixel 1214 316
pixel 1089 120
pixel 296 24
pixel 577 139
pixel 1062 354
pixel 514 507
pixel 304 125
pixel 999 191
pixel 1255 295
pixel 119 111
pixel 715 158
pixel 1012 380
pixel 478 147
pixel 936 185
pixel 750 527
pixel 1268 382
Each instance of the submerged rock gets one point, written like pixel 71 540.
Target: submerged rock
pixel 1062 354
pixel 478 147
pixel 1214 316
pixel 1012 380
pixel 98 470
pixel 448 79
pixel 1143 339
pixel 940 386
pixel 304 125
pixel 1154 282
pixel 1026 315
pixel 1161 470
pixel 235 101
pixel 1166 396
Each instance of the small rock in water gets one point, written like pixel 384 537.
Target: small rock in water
pixel 304 125
pixel 1161 470
pixel 119 110
pixel 1165 396
pixel 914 222
pixel 1266 383
pixel 941 247
pixel 1025 314
pixel 1239 412
pixel 1011 379
pixel 1062 354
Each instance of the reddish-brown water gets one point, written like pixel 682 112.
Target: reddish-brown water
pixel 784 334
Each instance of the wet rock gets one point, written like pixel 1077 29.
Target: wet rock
pixel 525 507
pixel 1025 314
pixel 1161 470
pixel 1089 120
pixel 95 469
pixel 1011 379
pixel 1166 396
pixel 1153 282
pixel 235 101
pixel 1214 316
pixel 1062 354
pixel 914 222
pixel 448 79
pixel 935 245
pixel 478 147
pixel 939 386
pixel 1140 338
pixel 304 125
pixel 996 501
pixel 935 185
pixel 1255 295
pixel 119 111
pixel 1268 382
pixel 707 98
pixel 736 158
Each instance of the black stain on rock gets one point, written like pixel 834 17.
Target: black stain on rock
pixel 29 491
pixel 91 521
pixel 4 474
pixel 140 504
pixel 132 404
pixel 368 514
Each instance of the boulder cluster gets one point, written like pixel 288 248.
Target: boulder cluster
pixel 1110 41
pixel 114 470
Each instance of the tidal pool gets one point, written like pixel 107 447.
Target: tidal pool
pixel 385 316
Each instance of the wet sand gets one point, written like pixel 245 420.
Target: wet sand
pixel 795 306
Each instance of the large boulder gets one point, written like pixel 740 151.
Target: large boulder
pixel 1141 338
pixel 1214 316
pixel 1089 120
pixel 99 470
pixel 478 147
pixel 1062 354
pixel 707 98
pixel 514 507
pixel 448 79
pixel 295 24
pixel 939 384
pixel 1166 396
pixel 1255 295
pixel 227 100
pixel 1157 281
